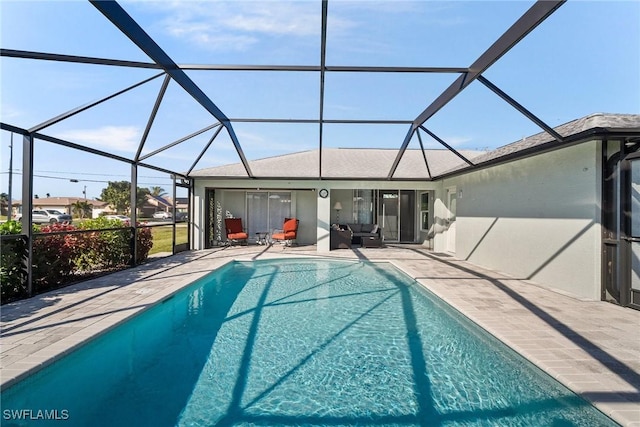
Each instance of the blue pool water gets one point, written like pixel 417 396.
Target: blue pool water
pixel 301 342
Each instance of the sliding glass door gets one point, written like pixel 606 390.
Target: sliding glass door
pixel 397 215
pixel 266 211
pixel 407 215
pixel 388 218
pixel 257 213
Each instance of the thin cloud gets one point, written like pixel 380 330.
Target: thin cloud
pixel 444 14
pixel 204 34
pixel 276 18
pixel 349 22
pixel 120 138
pixel 238 25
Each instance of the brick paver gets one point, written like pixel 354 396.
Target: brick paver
pixel 592 347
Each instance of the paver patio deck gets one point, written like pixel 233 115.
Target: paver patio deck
pixel 591 347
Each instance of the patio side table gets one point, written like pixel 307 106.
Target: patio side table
pixel 261 238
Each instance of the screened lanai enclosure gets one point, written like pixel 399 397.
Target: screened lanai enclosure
pixel 153 93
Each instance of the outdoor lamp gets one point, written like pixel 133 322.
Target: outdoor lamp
pixel 338 208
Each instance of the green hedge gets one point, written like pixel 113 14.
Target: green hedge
pixel 13 268
pixel 59 259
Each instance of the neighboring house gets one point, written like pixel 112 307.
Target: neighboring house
pixel 65 204
pixel 155 204
pixel 62 204
pixel 565 215
pixel 182 204
pixel 182 207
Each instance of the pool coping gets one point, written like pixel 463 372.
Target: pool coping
pixel 39 331
pixel 557 365
pixel 83 331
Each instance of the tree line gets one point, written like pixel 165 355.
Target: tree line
pixel 117 195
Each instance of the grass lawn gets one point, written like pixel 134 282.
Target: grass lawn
pixel 162 237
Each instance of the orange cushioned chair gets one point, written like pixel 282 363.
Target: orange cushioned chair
pixel 235 232
pixel 289 231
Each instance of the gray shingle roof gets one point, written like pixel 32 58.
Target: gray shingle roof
pixel 610 122
pixel 344 163
pixel 375 163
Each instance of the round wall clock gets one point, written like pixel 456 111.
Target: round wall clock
pixel 323 193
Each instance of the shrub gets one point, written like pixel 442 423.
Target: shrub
pixel 57 257
pixel 144 243
pixel 13 266
pixel 111 248
pixel 54 256
pixel 105 249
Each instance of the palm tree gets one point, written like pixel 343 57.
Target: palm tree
pixel 157 191
pixel 82 209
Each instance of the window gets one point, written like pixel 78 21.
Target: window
pixel 363 206
pixel 424 211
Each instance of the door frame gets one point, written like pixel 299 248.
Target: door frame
pixel 381 213
pixel 617 236
pixel 628 296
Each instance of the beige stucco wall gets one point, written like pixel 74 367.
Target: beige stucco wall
pixel 537 219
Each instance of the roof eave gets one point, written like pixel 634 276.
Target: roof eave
pixel 593 134
pixel 308 178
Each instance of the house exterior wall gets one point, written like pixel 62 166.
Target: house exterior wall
pixel 315 214
pixel 537 218
pixel 306 212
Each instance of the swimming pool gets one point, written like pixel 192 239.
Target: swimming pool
pixel 297 342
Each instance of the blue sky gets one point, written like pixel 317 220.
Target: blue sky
pixel 584 59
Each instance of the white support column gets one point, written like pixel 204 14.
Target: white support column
pixel 198 216
pixel 324 222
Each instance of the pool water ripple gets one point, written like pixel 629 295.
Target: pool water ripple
pixel 302 342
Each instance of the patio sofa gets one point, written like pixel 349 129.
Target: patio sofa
pixel 340 237
pixel 367 235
